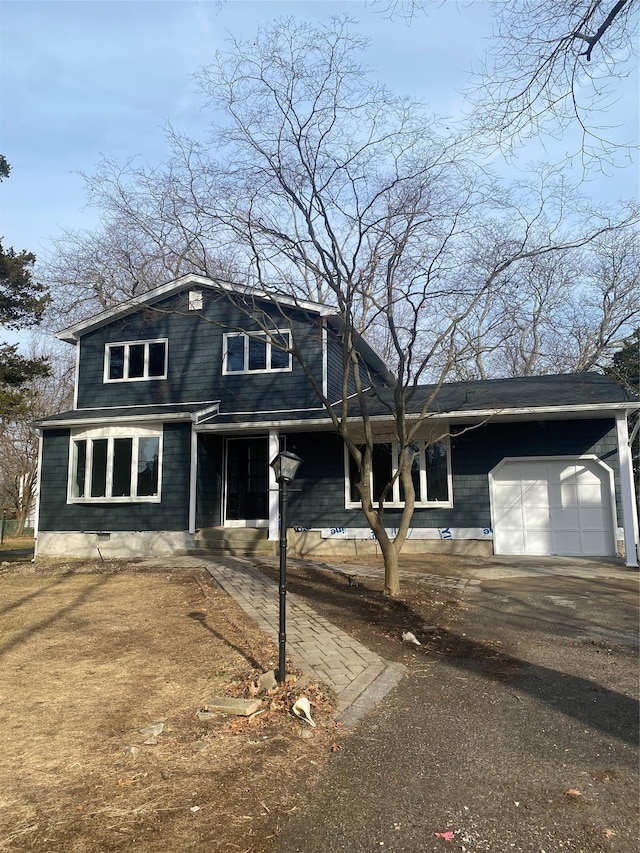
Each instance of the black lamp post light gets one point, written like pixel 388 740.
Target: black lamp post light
pixel 285 467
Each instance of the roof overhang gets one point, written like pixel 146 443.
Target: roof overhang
pixel 134 415
pixel 542 413
pixel 72 334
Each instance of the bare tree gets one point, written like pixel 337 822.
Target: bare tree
pixel 41 396
pixel 553 65
pixel 549 66
pixel 323 185
pixel 144 237
pixel 564 312
pixel 404 10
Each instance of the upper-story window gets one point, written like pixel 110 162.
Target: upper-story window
pixel 256 352
pixel 127 361
pixel 430 472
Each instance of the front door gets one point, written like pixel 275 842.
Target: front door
pixel 247 481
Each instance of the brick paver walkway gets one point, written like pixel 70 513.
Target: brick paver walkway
pixel 359 677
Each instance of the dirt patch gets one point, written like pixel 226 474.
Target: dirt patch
pixel 357 605
pixel 93 654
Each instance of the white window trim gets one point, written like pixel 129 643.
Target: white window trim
pixel 396 503
pixel 263 336
pixel 127 344
pixel 111 433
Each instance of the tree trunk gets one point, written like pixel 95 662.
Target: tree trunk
pixel 21 519
pixel 391 575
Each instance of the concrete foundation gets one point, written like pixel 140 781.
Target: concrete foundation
pixel 309 543
pixel 112 545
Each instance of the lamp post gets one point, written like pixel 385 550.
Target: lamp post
pixel 285 467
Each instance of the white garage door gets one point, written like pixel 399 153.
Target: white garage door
pixel 552 506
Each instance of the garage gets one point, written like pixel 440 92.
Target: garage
pixel 555 505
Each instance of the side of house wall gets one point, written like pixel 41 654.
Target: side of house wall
pixel 320 501
pixel 171 513
pixel 195 360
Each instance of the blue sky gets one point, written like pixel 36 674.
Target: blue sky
pixel 84 79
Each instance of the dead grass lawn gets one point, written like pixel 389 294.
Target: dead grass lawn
pixel 90 656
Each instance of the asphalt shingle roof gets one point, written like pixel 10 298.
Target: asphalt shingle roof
pixel 562 391
pixel 526 392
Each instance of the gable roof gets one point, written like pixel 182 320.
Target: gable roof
pixel 72 334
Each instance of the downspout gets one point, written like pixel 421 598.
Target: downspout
pixel 627 492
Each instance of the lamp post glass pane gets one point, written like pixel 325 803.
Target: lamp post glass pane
pixel 285 465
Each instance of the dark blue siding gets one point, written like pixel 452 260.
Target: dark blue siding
pixel 335 371
pixel 321 500
pixel 170 514
pixel 317 498
pixel 195 360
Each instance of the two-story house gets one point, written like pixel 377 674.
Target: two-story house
pixel 182 400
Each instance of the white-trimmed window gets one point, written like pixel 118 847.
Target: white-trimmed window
pixel 256 352
pixel 120 464
pixel 128 361
pixel 430 472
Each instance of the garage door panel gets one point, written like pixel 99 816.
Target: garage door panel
pixel 593 518
pixel 512 518
pixel 535 494
pixel 587 477
pixel 537 542
pixel 562 472
pixel 595 543
pixel 565 519
pixel 563 494
pixel 532 472
pixel 590 495
pixel 536 518
pixel 508 493
pixel 553 506
pixel 566 542
pixel 510 542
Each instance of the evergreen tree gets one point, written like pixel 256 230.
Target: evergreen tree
pixel 22 304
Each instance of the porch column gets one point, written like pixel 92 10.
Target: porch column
pixel 274 449
pixel 36 522
pixel 627 492
pixel 193 480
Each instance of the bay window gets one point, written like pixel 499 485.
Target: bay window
pixel 122 464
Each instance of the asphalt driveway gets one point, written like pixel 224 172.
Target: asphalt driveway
pixel 519 734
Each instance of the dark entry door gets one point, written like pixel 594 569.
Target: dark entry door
pixel 247 479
